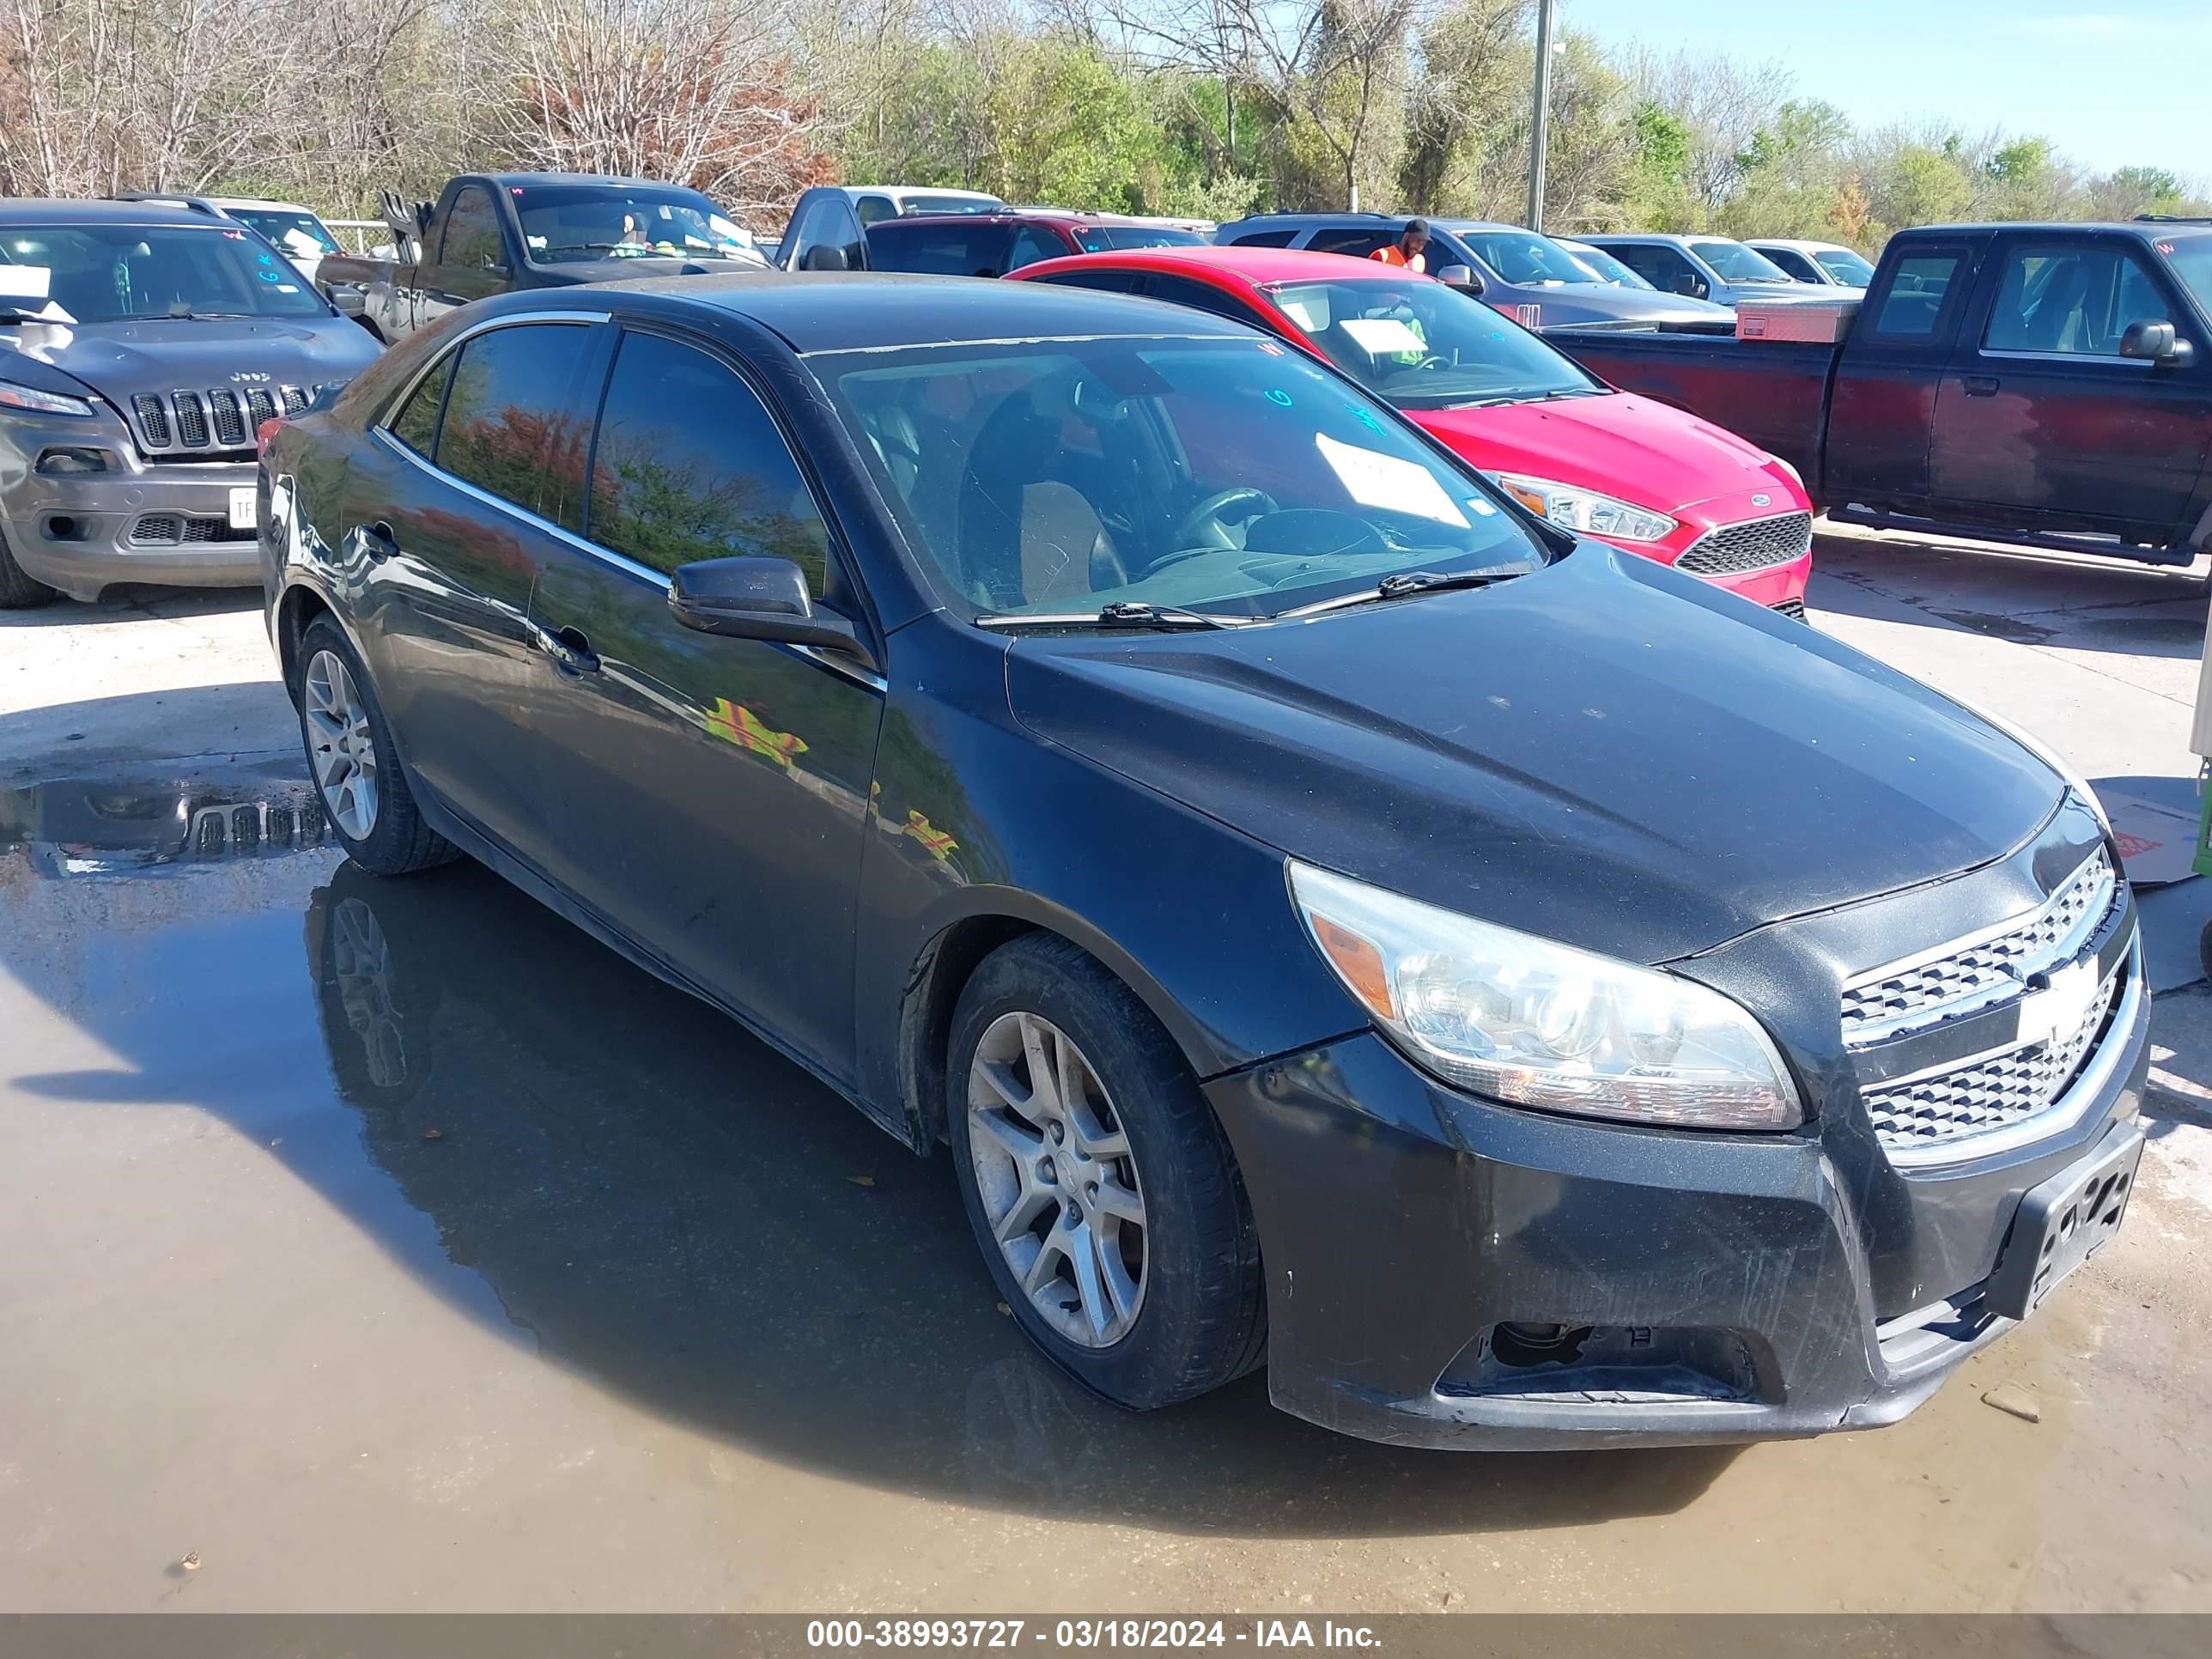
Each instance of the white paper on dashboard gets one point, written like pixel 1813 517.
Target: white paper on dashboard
pixel 26 282
pixel 1374 479
pixel 1380 337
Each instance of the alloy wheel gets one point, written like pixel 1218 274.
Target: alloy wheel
pixel 340 746
pixel 1059 1184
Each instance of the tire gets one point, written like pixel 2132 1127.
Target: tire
pixel 390 837
pixel 1199 1317
pixel 20 591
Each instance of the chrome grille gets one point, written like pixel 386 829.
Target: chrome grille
pixel 214 419
pixel 1753 545
pixel 1991 1093
pixel 1975 973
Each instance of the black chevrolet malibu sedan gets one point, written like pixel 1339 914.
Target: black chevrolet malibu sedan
pixel 1520 995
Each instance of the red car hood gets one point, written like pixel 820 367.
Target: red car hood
pixel 1645 453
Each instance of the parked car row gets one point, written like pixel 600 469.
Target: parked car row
pixel 1334 916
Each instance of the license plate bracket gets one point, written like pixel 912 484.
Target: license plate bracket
pixel 2062 1223
pixel 242 505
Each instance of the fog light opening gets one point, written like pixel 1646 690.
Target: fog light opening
pixel 1517 1344
pixel 63 527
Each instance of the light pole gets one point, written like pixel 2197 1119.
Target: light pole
pixel 1540 123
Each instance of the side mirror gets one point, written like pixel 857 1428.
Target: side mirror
pixel 2156 340
pixel 823 257
pixel 1693 285
pixel 1461 276
pixel 493 268
pixel 757 599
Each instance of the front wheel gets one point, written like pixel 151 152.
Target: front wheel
pixel 351 758
pixel 19 589
pixel 1102 1192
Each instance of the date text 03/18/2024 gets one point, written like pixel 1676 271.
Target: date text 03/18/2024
pixel 1082 1633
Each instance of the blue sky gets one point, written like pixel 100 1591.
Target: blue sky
pixel 2127 82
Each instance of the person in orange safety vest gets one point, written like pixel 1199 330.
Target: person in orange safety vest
pixel 1409 250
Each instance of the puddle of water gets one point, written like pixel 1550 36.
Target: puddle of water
pixel 618 1178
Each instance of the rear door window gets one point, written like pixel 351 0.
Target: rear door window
pixel 1357 243
pixel 1203 296
pixel 472 235
pixel 512 427
pixel 416 423
pixel 1033 243
pixel 1265 239
pixel 1917 288
pixel 689 464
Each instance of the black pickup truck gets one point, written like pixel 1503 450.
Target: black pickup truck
pixel 491 233
pixel 2045 385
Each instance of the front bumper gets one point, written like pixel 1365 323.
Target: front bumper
pixel 83 532
pixel 1727 1281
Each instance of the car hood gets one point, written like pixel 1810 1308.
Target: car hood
pixel 121 360
pixel 1649 453
pixel 1603 752
pixel 1576 302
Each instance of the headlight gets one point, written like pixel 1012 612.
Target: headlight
pixel 1536 1024
pixel 35 402
pixel 1573 508
pixel 1795 476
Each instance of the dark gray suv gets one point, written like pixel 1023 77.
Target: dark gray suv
pixel 141 346
pixel 1527 275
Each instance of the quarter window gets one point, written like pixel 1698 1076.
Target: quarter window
pixel 510 428
pixel 471 235
pixel 416 423
pixel 1034 243
pixel 689 466
pixel 2077 301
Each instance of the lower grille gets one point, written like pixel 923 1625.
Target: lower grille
pixel 182 530
pixel 1993 1092
pixel 1730 549
pixel 1793 609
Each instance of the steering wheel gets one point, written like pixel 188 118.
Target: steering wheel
pixel 1207 525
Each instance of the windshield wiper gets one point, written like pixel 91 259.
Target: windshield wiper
pixel 1409 582
pixel 1122 613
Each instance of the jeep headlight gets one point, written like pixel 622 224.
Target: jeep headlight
pixel 1536 1023
pixel 32 401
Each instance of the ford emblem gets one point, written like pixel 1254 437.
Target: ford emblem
pixel 1760 501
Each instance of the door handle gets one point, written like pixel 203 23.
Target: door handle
pixel 571 651
pixel 1980 385
pixel 378 541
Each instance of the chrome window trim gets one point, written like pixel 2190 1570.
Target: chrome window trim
pixel 567 537
pixel 2063 1113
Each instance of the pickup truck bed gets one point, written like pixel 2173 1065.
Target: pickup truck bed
pixel 2045 385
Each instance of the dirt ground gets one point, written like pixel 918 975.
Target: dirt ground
pixel 392 1246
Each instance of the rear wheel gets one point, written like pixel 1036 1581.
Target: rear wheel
pixel 20 591
pixel 351 759
pixel 1101 1190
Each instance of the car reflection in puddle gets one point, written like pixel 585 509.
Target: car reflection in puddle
pixel 570 1151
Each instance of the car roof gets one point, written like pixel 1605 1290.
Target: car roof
pixel 856 310
pixel 259 202
pixel 1256 265
pixel 47 210
pixel 857 190
pixel 1022 216
pixel 529 180
pixel 1802 244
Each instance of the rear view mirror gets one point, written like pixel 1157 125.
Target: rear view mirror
pixel 757 599
pixel 2156 340
pixel 1460 276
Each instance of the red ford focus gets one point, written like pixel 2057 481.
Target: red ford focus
pixel 1644 475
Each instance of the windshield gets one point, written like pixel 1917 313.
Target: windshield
pixel 112 273
pixel 1423 345
pixel 298 233
pixel 1607 269
pixel 1737 263
pixel 1524 258
pixel 1234 477
pixel 567 223
pixel 1109 239
pixel 2190 257
pixel 1846 266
